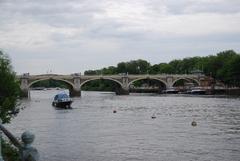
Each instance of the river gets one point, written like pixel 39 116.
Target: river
pixel 90 131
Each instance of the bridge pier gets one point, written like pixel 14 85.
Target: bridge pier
pixel 121 91
pixel 74 93
pixel 124 89
pixel 24 85
pixel 76 90
pixel 169 81
pixel 24 93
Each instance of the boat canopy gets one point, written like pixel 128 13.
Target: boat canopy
pixel 61 96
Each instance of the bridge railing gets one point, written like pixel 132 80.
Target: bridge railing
pixel 154 75
pixel 27 75
pixel 26 151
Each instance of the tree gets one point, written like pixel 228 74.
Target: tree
pixel 176 66
pixel 154 69
pixel 234 70
pixel 9 89
pixel 231 71
pixel 90 72
pixel 165 68
pixel 109 71
pixel 142 66
pixel 122 67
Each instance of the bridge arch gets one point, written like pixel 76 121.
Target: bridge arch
pixel 159 80
pixel 42 79
pixel 114 80
pixel 186 79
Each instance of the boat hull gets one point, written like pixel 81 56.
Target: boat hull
pixel 171 91
pixel 65 104
pixel 198 92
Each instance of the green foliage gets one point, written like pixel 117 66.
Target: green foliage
pixel 109 71
pixel 230 72
pixel 134 67
pixel 50 83
pixel 100 85
pixel 90 72
pixel 9 89
pixel 9 152
pixel 9 93
pixel 154 69
pixel 165 68
pixel 148 83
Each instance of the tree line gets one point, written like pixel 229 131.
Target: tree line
pixel 224 67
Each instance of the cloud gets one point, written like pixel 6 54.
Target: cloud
pixel 92 34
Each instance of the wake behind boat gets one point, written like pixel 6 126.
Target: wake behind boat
pixel 62 100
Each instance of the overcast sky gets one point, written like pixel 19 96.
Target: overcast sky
pixel 68 36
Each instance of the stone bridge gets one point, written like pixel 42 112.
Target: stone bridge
pixel 76 81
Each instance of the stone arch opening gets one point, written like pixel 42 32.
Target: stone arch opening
pixel 184 84
pixel 51 83
pixel 101 84
pixel 147 85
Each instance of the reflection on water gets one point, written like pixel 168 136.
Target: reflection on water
pixel 90 131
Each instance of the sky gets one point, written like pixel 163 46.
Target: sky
pixel 71 36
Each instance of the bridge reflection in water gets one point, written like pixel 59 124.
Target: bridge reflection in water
pixel 76 81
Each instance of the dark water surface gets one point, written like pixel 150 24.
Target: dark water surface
pixel 92 132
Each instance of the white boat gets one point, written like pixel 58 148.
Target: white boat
pixel 171 91
pixel 198 90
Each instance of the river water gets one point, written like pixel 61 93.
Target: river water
pixel 90 131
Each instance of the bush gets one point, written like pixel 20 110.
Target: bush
pixel 9 152
pixel 9 89
pixel 9 94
